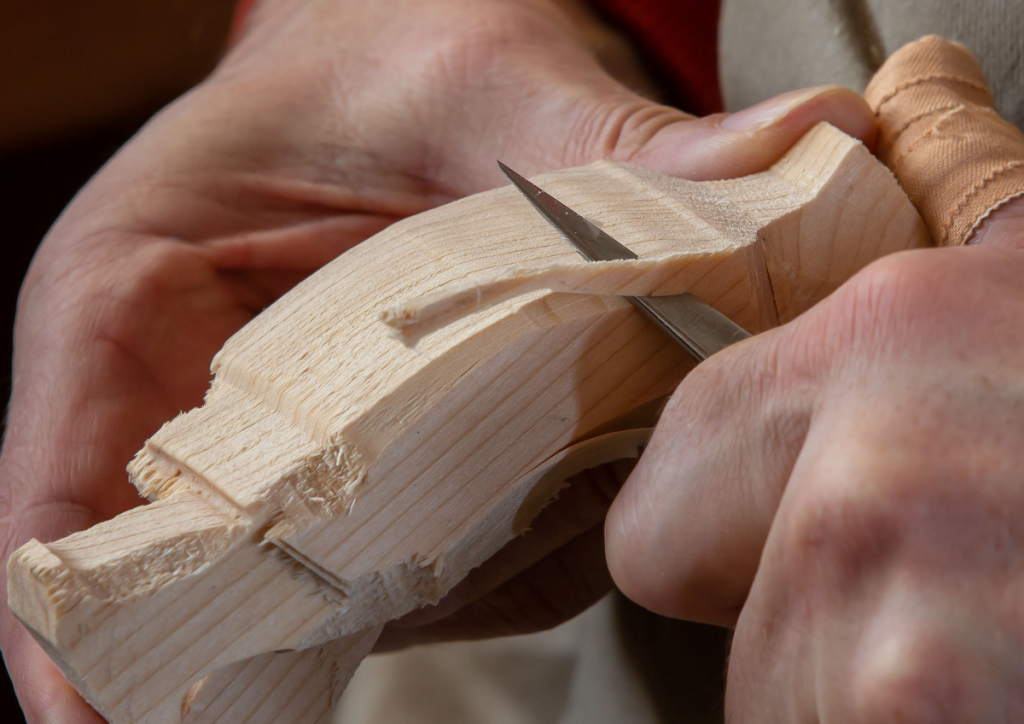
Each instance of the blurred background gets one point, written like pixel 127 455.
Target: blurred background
pixel 76 81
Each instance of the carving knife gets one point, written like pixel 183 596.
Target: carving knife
pixel 697 327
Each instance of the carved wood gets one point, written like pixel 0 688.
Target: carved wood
pixel 337 477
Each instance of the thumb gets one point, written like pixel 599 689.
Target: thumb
pixel 635 130
pixel 539 102
pixel 728 146
pixel 465 85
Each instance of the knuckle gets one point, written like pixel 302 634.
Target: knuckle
pixel 846 535
pixel 625 126
pixel 738 379
pixel 851 517
pixel 902 298
pixel 915 676
pixel 888 294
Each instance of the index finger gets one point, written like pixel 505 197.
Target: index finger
pixel 684 536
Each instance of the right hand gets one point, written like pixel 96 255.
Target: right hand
pixel 329 120
pixel 845 492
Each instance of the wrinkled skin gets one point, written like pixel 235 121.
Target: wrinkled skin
pixel 848 492
pixel 329 120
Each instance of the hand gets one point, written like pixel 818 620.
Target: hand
pixel 329 120
pixel 846 491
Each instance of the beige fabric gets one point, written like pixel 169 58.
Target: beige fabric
pixel 575 674
pixel 771 46
pixel 953 154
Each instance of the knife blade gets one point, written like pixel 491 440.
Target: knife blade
pixel 698 328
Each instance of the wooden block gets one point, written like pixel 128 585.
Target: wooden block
pixel 336 477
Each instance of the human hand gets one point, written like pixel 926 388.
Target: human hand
pixel 328 121
pixel 846 491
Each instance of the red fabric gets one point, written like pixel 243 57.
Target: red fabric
pixel 242 10
pixel 679 42
pixel 677 38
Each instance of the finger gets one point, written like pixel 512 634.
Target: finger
pixel 666 140
pixel 685 534
pixel 878 595
pixel 545 103
pixel 900 653
pixel 514 82
pixel 941 134
pixel 721 146
pixel 862 617
pixel 729 146
pixel 44 694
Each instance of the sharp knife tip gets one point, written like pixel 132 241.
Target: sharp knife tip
pixel 512 175
pixel 525 187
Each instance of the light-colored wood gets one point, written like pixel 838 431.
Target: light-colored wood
pixel 336 478
pixel 300 686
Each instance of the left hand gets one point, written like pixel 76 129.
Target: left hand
pixel 327 122
pixel 848 491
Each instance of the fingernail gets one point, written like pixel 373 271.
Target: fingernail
pixel 768 112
